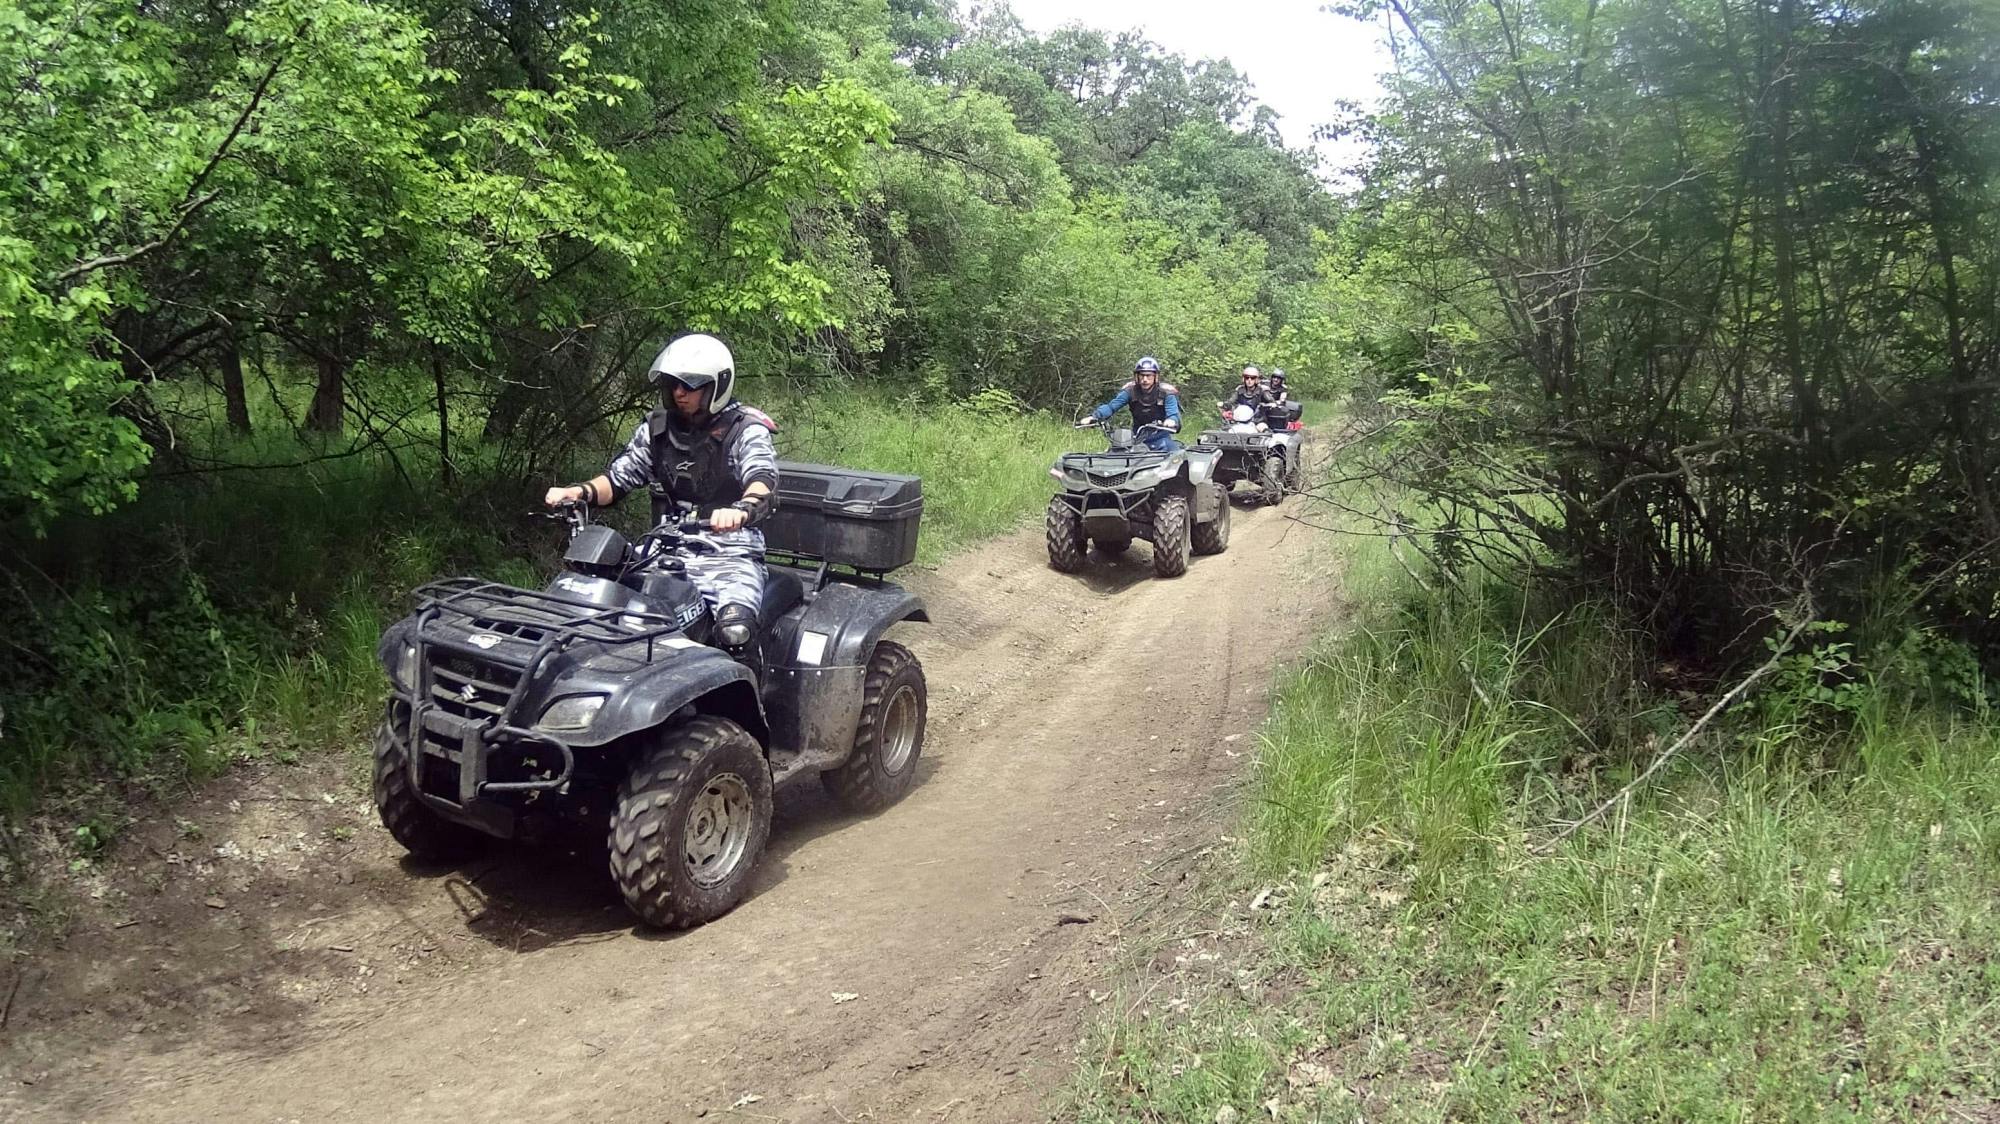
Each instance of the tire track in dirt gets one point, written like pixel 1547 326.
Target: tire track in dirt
pixel 1077 734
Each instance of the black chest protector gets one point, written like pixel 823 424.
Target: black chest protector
pixel 691 464
pixel 1256 399
pixel 1149 407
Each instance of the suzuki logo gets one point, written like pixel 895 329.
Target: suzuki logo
pixel 484 640
pixel 468 694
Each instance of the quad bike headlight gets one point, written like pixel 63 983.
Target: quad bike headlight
pixel 404 671
pixel 573 713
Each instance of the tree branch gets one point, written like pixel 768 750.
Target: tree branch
pixel 1784 648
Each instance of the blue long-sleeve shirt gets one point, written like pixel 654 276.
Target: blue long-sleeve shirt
pixel 1124 397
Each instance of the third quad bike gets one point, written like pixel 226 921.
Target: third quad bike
pixel 1262 445
pixel 601 703
pixel 1130 491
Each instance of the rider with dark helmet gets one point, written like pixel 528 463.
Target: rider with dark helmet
pixel 1277 385
pixel 704 449
pixel 1153 402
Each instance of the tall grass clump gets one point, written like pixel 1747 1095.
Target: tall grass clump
pixel 218 617
pixel 1797 919
pixel 984 461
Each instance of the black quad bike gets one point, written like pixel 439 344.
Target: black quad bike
pixel 601 704
pixel 1131 492
pixel 1264 445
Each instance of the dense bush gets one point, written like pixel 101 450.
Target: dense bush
pixel 1696 303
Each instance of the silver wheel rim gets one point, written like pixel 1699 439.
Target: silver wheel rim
pixel 718 829
pixel 899 729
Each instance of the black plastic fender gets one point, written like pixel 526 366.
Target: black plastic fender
pixel 646 697
pixel 817 656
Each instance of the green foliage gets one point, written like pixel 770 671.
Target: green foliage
pixel 1727 274
pixel 1789 923
pixel 319 277
pixel 984 461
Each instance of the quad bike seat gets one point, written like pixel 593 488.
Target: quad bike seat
pixel 782 590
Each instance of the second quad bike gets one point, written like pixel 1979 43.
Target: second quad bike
pixel 1130 491
pixel 603 705
pixel 1263 445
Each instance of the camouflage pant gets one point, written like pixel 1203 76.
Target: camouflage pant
pixel 729 577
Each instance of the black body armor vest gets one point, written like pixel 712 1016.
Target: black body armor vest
pixel 691 465
pixel 1149 408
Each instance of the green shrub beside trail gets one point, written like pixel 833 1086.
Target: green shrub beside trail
pixel 1794 921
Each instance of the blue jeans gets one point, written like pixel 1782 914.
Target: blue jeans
pixel 1162 442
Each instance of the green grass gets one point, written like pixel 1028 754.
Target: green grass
pixel 985 465
pixel 1791 923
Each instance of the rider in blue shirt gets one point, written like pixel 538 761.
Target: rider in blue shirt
pixel 1153 403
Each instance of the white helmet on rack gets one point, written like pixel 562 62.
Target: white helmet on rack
pixel 696 361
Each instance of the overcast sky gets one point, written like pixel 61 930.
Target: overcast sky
pixel 1301 59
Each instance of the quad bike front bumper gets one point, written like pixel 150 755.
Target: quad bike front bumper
pixel 458 767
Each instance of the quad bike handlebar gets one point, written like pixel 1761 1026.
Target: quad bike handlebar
pixel 668 536
pixel 664 538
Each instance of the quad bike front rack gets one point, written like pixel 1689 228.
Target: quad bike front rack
pixel 508 634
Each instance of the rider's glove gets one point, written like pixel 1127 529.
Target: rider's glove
pixel 755 508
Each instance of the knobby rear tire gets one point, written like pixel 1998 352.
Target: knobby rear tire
pixel 1273 479
pixel 1212 537
pixel 883 766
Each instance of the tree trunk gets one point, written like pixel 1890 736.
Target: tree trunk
pixel 237 402
pixel 330 398
pixel 445 469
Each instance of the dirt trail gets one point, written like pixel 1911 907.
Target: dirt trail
pixel 1077 735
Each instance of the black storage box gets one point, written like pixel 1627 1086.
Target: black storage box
pixel 1290 410
pixel 867 520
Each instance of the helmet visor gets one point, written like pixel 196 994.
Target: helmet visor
pixel 673 386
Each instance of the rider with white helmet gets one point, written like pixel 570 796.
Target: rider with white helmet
pixel 1251 393
pixel 704 448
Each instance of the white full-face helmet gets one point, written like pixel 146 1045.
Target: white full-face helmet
pixel 696 361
